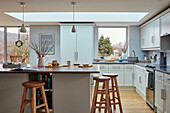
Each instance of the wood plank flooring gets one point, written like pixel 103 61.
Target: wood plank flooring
pixel 132 103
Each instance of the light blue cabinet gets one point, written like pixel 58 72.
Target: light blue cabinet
pixel 150 35
pixel 165 24
pixel 76 47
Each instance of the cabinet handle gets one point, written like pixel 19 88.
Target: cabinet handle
pixel 163 94
pixel 76 56
pixel 153 39
pixel 133 75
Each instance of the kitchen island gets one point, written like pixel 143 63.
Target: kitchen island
pixel 71 88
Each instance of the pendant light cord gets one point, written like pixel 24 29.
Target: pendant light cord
pixel 23 14
pixel 73 12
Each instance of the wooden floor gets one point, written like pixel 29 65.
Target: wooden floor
pixel 132 103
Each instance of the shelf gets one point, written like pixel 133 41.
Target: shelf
pixel 43 111
pixel 48 89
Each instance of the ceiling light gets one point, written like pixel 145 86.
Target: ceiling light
pixel 23 29
pixel 73 28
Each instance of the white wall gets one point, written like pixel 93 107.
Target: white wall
pixel 34 37
pixel 134 41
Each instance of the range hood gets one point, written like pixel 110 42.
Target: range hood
pixel 165 42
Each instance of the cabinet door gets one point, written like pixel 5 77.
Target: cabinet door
pixel 135 76
pixel 167 101
pixel 143 37
pixel 165 24
pixel 156 33
pixel 149 35
pixel 118 69
pixel 158 100
pixel 128 75
pixel 85 44
pixel 104 68
pixel 67 44
pixel 143 83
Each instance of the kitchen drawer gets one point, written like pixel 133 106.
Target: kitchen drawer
pixel 115 66
pixel 159 75
pixel 104 66
pixel 167 78
pixel 129 67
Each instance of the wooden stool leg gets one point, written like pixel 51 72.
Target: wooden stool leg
pixel 94 97
pixel 44 99
pixel 23 100
pixel 101 98
pixel 33 100
pixel 119 101
pixel 113 93
pixel 107 97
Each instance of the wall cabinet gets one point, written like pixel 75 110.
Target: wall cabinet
pixel 150 35
pixel 165 24
pixel 162 92
pixel 76 47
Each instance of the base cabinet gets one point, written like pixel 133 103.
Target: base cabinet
pixel 167 101
pixel 125 73
pixel 140 76
pixel 158 100
pixel 128 75
pixel 162 92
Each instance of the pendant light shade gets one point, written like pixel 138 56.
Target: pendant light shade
pixel 23 29
pixel 73 28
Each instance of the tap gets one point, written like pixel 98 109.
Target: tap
pixel 133 53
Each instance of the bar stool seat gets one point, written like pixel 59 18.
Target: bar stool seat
pixel 33 85
pixel 110 75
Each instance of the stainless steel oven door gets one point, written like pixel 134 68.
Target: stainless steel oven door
pixel 150 97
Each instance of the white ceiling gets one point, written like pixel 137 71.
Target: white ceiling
pixel 151 6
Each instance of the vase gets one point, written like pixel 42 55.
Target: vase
pixel 41 61
pixel 124 56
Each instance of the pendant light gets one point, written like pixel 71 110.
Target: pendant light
pixel 73 28
pixel 23 29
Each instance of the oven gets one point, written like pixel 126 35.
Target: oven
pixel 150 88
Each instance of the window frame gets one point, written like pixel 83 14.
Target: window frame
pixel 97 35
pixel 5 40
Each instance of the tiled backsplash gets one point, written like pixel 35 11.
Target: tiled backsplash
pixel 168 58
pixel 152 53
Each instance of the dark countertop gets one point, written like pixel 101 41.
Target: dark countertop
pixel 116 62
pixel 72 69
pixel 164 69
pixel 160 68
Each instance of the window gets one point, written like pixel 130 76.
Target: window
pixel 112 41
pixel 14 51
pixel 2 45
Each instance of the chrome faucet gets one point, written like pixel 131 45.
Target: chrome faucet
pixel 133 53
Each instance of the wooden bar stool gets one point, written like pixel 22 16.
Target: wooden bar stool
pixel 33 85
pixel 107 107
pixel 114 89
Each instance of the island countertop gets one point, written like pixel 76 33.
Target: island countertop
pixel 34 69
